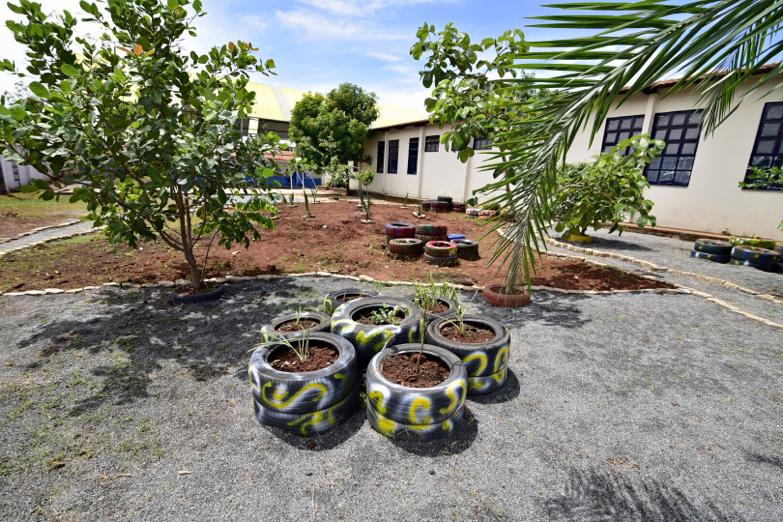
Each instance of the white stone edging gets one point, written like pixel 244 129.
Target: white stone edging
pixel 51 239
pixel 41 229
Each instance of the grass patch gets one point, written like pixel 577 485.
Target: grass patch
pixel 30 205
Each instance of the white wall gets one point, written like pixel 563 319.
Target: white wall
pixel 712 201
pixel 25 174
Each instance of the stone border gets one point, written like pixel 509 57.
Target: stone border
pixel 658 268
pixel 51 239
pixel 41 229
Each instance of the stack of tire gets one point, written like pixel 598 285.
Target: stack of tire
pixel 442 204
pixel 429 232
pixel 424 413
pixel 467 249
pixel 272 330
pixel 712 250
pixel 756 257
pixel 426 204
pixel 458 207
pixel 305 403
pixel 401 241
pixel 486 363
pixel 441 253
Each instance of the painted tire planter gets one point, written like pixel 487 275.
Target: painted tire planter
pixel 458 207
pixel 717 258
pixel 428 229
pixel 367 339
pixel 467 249
pixel 440 249
pixel 400 230
pixel 711 246
pixel 752 242
pixel 760 258
pixel 304 403
pixel 493 295
pixel 441 260
pixel 451 307
pixel 215 293
pixel 338 297
pixel 427 413
pixel 271 331
pixel 406 247
pixel 427 238
pixel 486 363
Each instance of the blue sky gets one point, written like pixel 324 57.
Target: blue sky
pixel 318 44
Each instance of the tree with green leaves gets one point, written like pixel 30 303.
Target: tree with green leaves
pixel 145 132
pixel 332 129
pixel 608 190
pixel 713 46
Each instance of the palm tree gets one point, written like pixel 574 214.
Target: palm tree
pixel 713 46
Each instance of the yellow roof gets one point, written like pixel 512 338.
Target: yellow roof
pixel 275 103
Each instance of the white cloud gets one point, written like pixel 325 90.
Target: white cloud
pixel 384 57
pixel 316 27
pixel 363 7
pixel 254 21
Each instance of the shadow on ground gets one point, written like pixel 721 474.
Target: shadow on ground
pixel 508 392
pixel 602 495
pixel 322 441
pixel 210 340
pixel 610 244
pixel 547 309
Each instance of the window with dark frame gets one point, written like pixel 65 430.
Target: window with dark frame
pixel 620 129
pixel 680 130
pixel 379 158
pixel 394 152
pixel 482 143
pixel 768 147
pixel 432 143
pixel 413 155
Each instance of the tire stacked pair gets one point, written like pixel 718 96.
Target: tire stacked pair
pixel 717 251
pixel 400 230
pixel 368 340
pixel 753 242
pixel 467 249
pixel 305 403
pixel 458 207
pixel 448 200
pixel 338 297
pixel 426 204
pixel 441 253
pixel 407 248
pixel 440 206
pixel 271 331
pixel 759 258
pixel 429 232
pixel 425 413
pixel 486 363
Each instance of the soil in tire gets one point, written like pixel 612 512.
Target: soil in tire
pixel 469 334
pixel 296 326
pixel 319 356
pixel 414 370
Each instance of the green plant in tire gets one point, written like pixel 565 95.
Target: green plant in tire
pixel 301 347
pixel 386 315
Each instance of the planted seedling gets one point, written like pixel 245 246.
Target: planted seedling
pixel 405 201
pixel 419 212
pixel 386 315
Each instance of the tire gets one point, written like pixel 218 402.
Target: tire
pixel 335 299
pixel 426 204
pixel 426 239
pixel 446 199
pixel 757 266
pixel 710 246
pixel 269 331
pixel 428 229
pixel 757 257
pixel 487 383
pixel 752 242
pixel 458 207
pixel 467 249
pixel 472 211
pixel 416 406
pixel 479 359
pixel 202 297
pixel 368 340
pixel 439 206
pixel 712 257
pixel 452 308
pixel 423 432
pixel 305 392
pixel 406 247
pixel 309 423
pixel 441 261
pixel 400 230
pixel 440 249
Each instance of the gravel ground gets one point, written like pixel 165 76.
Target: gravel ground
pixel 117 406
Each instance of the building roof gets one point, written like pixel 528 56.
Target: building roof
pixel 671 82
pixel 275 103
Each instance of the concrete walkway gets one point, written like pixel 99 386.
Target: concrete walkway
pixel 680 269
pixel 43 236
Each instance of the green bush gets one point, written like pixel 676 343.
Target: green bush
pixel 608 190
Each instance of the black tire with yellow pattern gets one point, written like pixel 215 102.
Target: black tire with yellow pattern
pixel 338 297
pixel 368 340
pixel 310 423
pixel 270 331
pixel 429 413
pixel 761 258
pixel 486 363
pixel 289 393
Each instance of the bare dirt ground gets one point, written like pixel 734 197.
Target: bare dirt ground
pixel 334 241
pixel 23 212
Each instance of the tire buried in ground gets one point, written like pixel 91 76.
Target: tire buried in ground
pixel 368 340
pixel 441 261
pixel 712 257
pixel 711 246
pixel 338 297
pixel 467 249
pixel 428 413
pixel 480 359
pixel 270 331
pixel 280 393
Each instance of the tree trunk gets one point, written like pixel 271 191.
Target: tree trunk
pixel 195 272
